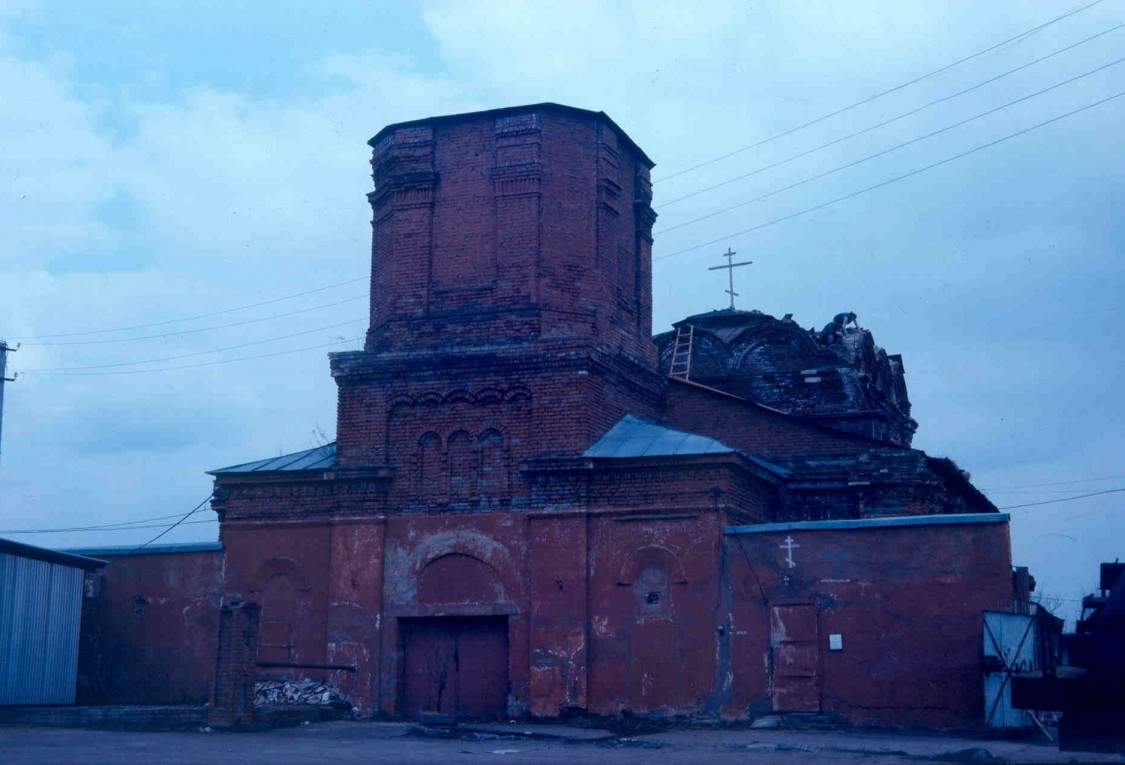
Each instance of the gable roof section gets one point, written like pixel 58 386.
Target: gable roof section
pixel 318 458
pixel 631 437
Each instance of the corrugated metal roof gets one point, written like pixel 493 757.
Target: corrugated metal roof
pixel 73 560
pixel 319 458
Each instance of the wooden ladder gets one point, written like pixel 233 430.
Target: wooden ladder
pixel 681 352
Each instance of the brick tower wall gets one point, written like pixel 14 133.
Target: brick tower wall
pixel 511 284
pixel 497 227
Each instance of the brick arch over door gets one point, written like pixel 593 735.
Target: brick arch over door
pixel 459 578
pixel 403 588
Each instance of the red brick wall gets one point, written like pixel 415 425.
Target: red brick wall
pixel 573 586
pixel 284 568
pixel 149 629
pixel 555 577
pixel 906 601
pixel 501 226
pixel 751 428
pixel 654 609
pixel 511 282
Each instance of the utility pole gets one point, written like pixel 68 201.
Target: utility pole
pixel 3 379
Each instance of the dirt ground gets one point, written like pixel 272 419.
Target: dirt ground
pixel 366 742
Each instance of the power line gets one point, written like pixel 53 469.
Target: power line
pixel 1061 483
pixel 869 99
pixel 1029 491
pixel 202 315
pixel 190 355
pixel 89 528
pixel 1063 499
pixel 177 523
pixel 888 182
pixel 894 148
pixel 104 528
pixel 206 329
pixel 206 363
pixel 884 123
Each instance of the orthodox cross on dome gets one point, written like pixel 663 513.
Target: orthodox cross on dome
pixel 729 267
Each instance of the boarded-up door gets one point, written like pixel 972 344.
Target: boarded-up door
pixel 456 665
pixel 795 658
pixel 1009 647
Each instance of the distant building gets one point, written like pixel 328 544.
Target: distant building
pixel 525 514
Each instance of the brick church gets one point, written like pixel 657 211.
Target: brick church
pixel 535 507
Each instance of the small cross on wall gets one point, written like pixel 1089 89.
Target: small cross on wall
pixel 729 268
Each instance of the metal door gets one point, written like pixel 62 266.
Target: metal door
pixel 455 665
pixel 1009 646
pixel 794 658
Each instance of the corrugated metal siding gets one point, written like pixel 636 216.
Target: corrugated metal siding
pixel 40 617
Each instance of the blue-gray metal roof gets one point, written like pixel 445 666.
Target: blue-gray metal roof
pixel 319 458
pixel 955 519
pixel 191 547
pixel 633 437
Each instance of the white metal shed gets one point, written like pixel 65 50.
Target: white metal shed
pixel 40 619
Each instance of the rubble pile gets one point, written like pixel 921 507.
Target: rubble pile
pixel 283 692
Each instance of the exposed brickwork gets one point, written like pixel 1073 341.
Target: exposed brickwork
pixel 754 429
pixel 836 376
pixel 236 667
pixel 833 474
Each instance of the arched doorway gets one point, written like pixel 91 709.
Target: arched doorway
pixel 455 663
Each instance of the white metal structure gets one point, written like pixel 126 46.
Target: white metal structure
pixel 1009 647
pixel 40 618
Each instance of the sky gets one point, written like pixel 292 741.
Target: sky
pixel 163 163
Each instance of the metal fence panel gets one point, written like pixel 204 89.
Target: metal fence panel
pixel 1009 647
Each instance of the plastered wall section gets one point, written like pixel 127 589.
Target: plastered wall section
pixel 907 606
pixel 150 628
